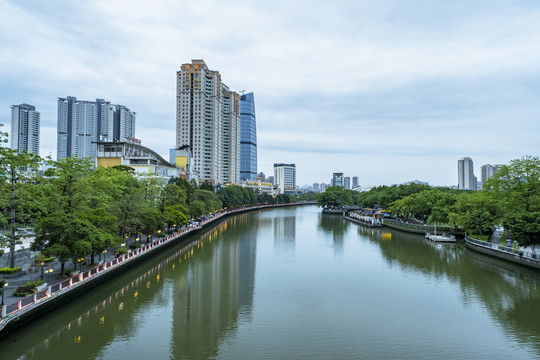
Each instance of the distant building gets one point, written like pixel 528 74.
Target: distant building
pixel 347 182
pixel 261 187
pixel 324 187
pixel 144 160
pixel 82 123
pixel 354 181
pixel 316 187
pixel 488 171
pixel 466 178
pixel 248 138
pixel 25 128
pixel 285 176
pixel 337 179
pixel 208 120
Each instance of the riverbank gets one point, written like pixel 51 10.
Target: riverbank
pixel 16 314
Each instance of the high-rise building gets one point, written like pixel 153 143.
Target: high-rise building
pixel 337 179
pixel 248 138
pixel 81 123
pixel 208 120
pixel 25 128
pixel 347 182
pixel 285 176
pixel 488 171
pixel 466 178
pixel 316 187
pixel 355 182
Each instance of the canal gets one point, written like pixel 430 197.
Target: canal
pixel 291 283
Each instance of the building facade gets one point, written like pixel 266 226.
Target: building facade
pixel 347 182
pixel 25 128
pixel 82 123
pixel 488 171
pixel 248 138
pixel 466 178
pixel 337 179
pixel 208 120
pixel 285 176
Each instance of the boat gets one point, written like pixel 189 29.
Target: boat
pixel 363 220
pixel 444 238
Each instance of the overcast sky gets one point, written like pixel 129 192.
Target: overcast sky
pixel 387 90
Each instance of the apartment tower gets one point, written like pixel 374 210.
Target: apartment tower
pixel 208 120
pixel 285 176
pixel 25 128
pixel 466 178
pixel 81 123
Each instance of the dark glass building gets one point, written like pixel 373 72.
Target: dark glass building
pixel 248 138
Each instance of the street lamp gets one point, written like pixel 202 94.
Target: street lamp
pixel 48 274
pixel 104 252
pixel 4 284
pixel 42 263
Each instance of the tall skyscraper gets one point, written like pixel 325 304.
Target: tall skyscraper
pixel 488 171
pixel 354 181
pixel 81 123
pixel 285 176
pixel 248 138
pixel 208 120
pixel 347 182
pixel 466 178
pixel 25 128
pixel 337 179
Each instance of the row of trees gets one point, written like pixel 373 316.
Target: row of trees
pixel 511 198
pixel 77 210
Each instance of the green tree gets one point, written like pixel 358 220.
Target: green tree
pixel 15 167
pixel 475 212
pixel 335 196
pixel 516 187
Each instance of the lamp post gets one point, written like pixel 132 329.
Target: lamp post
pixel 104 254
pixel 48 274
pixel 42 263
pixel 3 284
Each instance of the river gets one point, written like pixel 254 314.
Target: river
pixel 292 283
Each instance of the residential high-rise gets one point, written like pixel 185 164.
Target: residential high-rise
pixel 81 123
pixel 248 138
pixel 316 187
pixel 354 181
pixel 285 176
pixel 337 179
pixel 347 182
pixel 488 171
pixel 208 120
pixel 466 178
pixel 25 128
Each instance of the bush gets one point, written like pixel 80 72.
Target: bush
pixel 49 259
pixel 121 250
pixel 134 246
pixel 27 289
pixel 8 270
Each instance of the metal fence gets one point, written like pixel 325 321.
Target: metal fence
pixel 530 255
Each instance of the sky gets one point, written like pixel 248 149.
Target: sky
pixel 388 90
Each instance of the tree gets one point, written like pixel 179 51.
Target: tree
pixel 15 167
pixel 475 212
pixel 516 187
pixel 335 196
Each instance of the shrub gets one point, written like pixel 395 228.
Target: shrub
pixel 121 250
pixel 27 289
pixel 49 259
pixel 134 246
pixel 8 270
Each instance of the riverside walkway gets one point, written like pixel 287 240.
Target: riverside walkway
pixel 527 258
pixel 15 314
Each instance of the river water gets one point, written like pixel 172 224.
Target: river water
pixel 292 283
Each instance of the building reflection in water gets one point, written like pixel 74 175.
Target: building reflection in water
pixel 284 233
pixel 216 291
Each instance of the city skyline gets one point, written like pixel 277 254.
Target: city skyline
pixel 392 91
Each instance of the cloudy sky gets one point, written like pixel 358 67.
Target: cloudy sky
pixel 387 90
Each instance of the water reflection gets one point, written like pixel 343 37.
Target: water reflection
pixel 336 226
pixel 509 292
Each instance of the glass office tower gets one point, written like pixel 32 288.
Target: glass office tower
pixel 248 138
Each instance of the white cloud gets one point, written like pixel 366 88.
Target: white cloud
pixel 418 81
